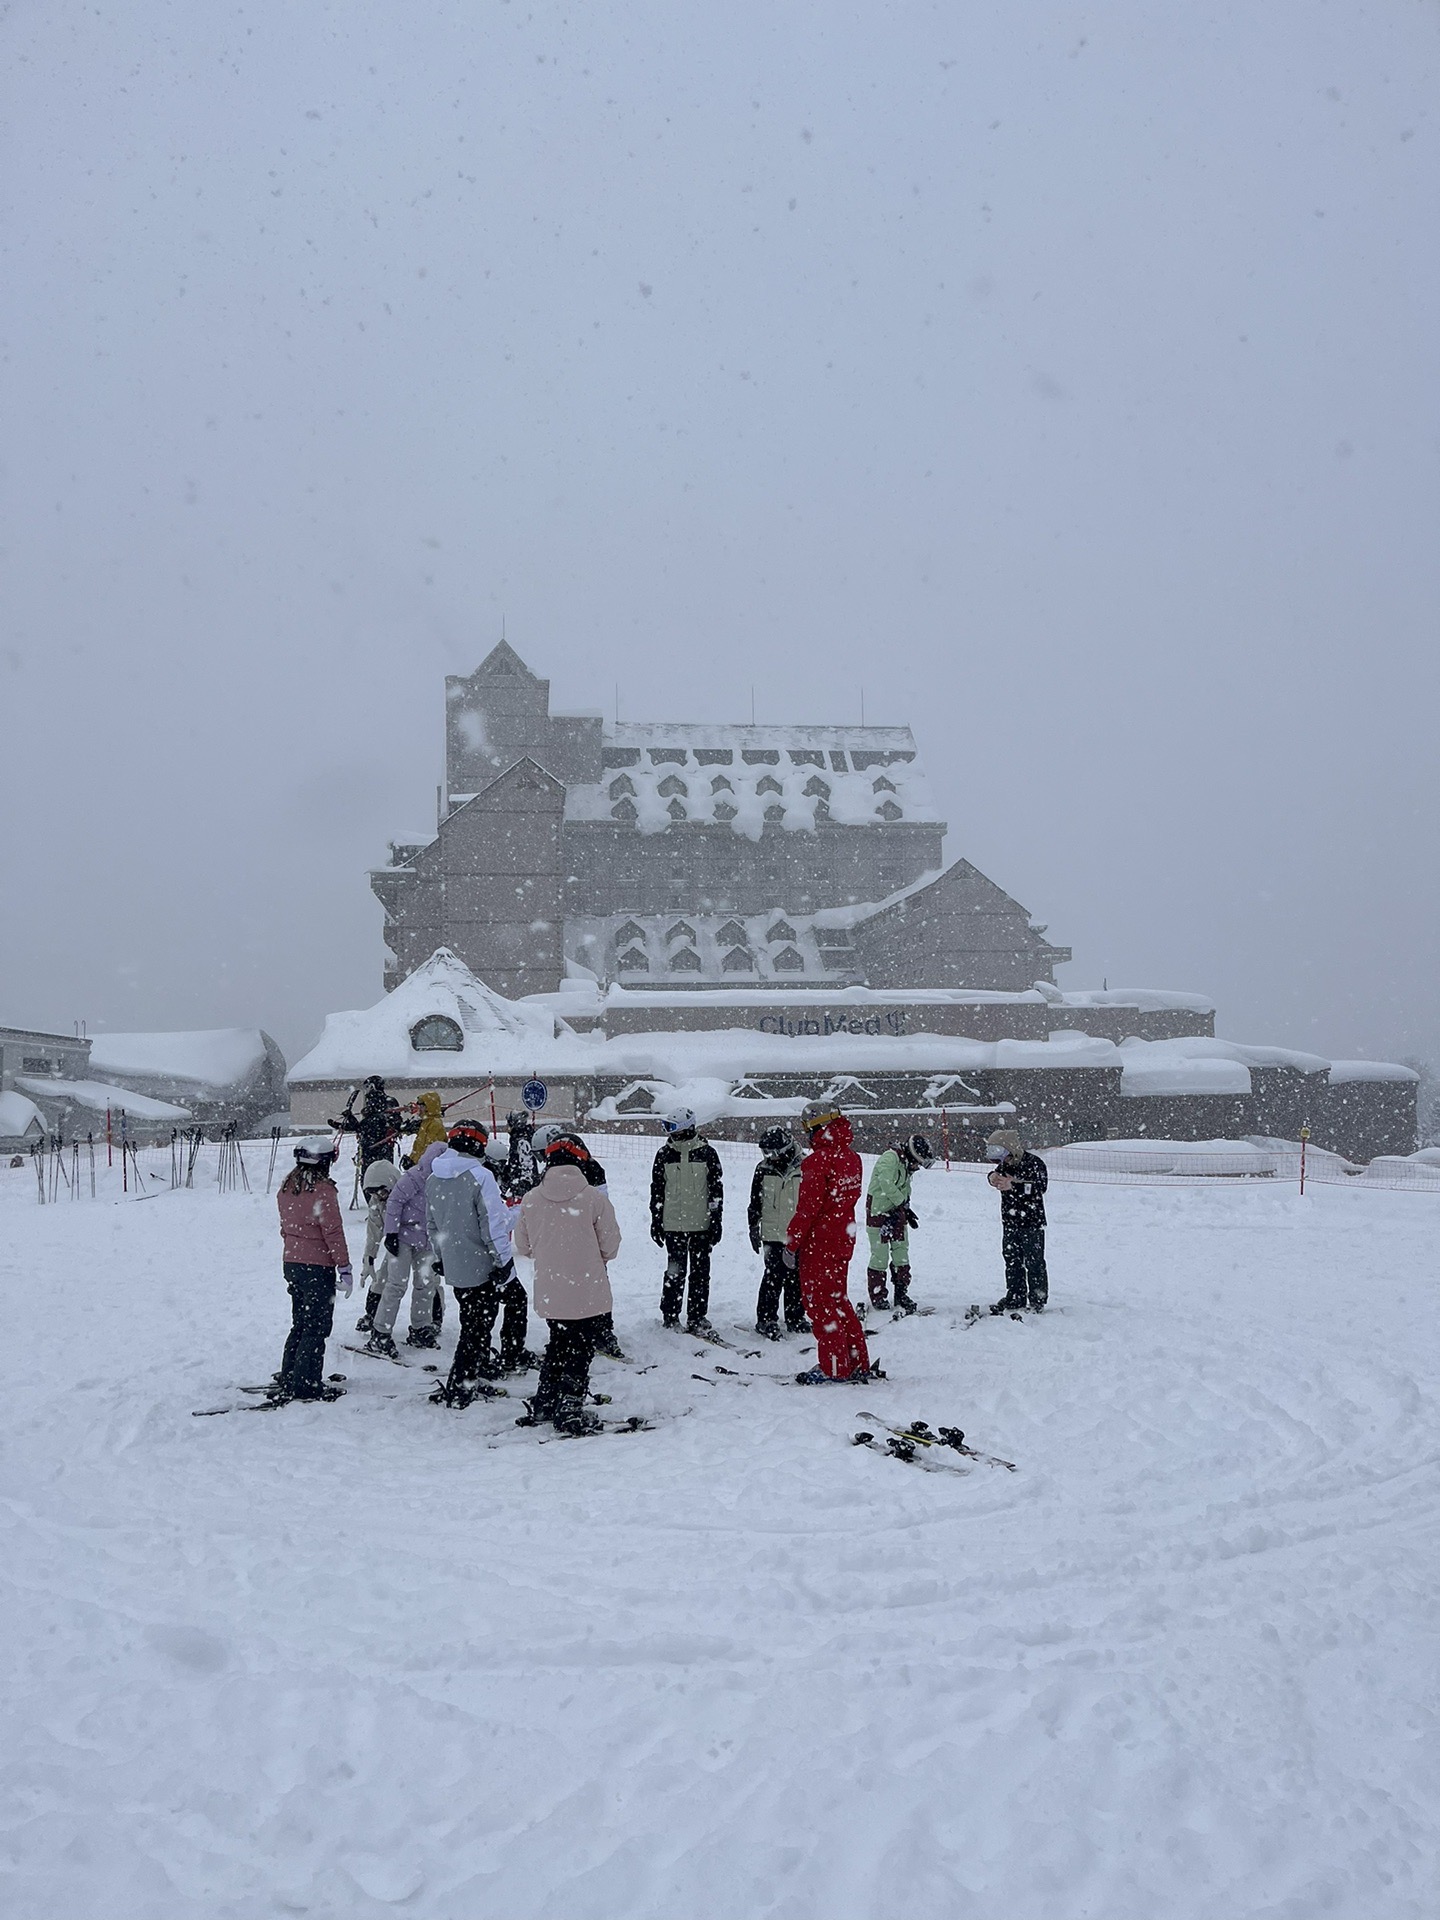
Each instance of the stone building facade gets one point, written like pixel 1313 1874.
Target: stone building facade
pixel 690 856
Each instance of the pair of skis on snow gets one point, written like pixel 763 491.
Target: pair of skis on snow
pixel 906 1443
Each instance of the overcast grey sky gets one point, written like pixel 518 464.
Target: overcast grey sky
pixel 1064 375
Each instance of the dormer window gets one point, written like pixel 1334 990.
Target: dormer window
pixel 437 1033
pixel 676 810
pixel 624 811
pixel 732 934
pixel 769 785
pixel 680 931
pixel 619 788
pixel 631 930
pixel 890 811
pixel 815 788
pixel 684 960
pixel 633 961
pixel 882 785
pixel 672 783
pixel 738 960
pixel 782 930
pixel 788 961
pixel 721 785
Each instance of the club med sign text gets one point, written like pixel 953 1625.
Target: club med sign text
pixel 888 1025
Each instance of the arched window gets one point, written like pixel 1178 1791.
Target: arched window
pixel 437 1033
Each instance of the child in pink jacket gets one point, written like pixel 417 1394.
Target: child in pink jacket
pixel 568 1228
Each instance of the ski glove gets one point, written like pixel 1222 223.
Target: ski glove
pixel 437 1265
pixel 910 1219
pixel 755 1243
pixel 392 1245
pixel 344 1281
pixel 789 1259
pixel 657 1236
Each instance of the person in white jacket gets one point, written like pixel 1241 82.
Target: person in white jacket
pixel 568 1228
pixel 469 1227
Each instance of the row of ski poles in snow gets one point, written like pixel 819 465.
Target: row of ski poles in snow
pixel 70 1170
pixel 58 1168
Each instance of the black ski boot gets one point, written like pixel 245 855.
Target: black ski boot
pixel 423 1337
pixel 903 1302
pixel 768 1330
pixel 367 1318
pixel 572 1419
pixel 875 1287
pixel 522 1362
pixel 607 1341
pixel 382 1344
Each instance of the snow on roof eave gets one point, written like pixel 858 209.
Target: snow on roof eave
pixel 212 1057
pixel 761 738
pixel 96 1096
pixel 1345 1072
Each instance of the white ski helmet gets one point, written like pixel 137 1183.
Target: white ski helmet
pixel 317 1152
pixel 679 1120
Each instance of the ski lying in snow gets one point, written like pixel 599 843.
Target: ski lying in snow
pixel 429 1366
pixel 898 1447
pixel 335 1380
pixel 975 1316
pixel 920 1434
pixel 714 1339
pixel 635 1424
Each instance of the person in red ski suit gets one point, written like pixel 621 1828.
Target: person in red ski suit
pixel 822 1235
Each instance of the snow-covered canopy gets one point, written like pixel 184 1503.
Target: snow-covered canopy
pixel 494 1035
pixel 96 1096
pixel 19 1117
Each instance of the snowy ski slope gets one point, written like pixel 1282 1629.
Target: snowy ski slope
pixel 379 1658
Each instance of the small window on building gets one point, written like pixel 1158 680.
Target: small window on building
pixel 672 783
pixel 732 934
pixel 631 930
pixel 782 930
pixel 775 815
pixel 806 757
pixel 721 785
pixel 788 961
pixel 769 785
pixel 685 960
pixel 837 760
pixel 633 961
pixel 891 812
pixel 33 1064
pixel 760 756
pixel 621 757
pixel 676 810
pixel 714 757
pixel 681 930
pixel 883 785
pixel 738 960
pixel 437 1033
pixel 625 813
pixel 724 810
pixel 667 756
pixel 619 788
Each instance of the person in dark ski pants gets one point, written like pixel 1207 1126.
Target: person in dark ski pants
pixel 687 1200
pixel 469 1228
pixel 317 1261
pixel 524 1164
pixel 1021 1179
pixel 378 1125
pixel 568 1228
pixel 607 1341
pixel 774 1191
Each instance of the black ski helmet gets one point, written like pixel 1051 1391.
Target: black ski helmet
pixel 919 1151
pixel 774 1139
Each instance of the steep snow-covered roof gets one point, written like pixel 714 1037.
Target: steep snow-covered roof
pixel 497 1035
pixel 215 1057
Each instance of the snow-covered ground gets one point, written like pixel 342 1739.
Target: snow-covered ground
pixel 379 1657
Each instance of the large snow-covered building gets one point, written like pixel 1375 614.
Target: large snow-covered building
pixel 689 856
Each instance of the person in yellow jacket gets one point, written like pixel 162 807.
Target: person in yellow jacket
pixel 431 1131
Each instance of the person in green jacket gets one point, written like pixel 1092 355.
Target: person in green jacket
pixel 687 1199
pixel 774 1192
pixel 889 1218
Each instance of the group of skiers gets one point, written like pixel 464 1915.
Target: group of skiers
pixel 462 1206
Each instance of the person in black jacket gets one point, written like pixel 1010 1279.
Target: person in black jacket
pixel 524 1163
pixel 1020 1179
pixel 687 1198
pixel 378 1125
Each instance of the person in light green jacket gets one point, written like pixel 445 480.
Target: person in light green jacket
pixel 889 1218
pixel 687 1200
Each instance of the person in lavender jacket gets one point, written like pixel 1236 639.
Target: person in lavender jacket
pixel 411 1263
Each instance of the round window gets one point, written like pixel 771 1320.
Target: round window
pixel 437 1033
